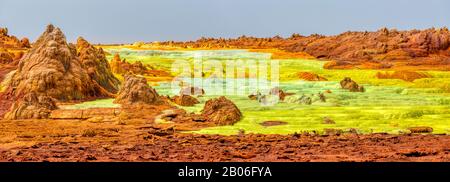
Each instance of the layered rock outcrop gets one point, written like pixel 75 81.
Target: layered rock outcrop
pixel 95 63
pixel 120 66
pixel 185 100
pixel 383 48
pixel 5 56
pixel 32 106
pixel 52 68
pixel 10 41
pixel 135 90
pixel 308 76
pixel 408 76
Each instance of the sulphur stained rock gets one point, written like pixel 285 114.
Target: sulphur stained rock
pixel 52 68
pixel 10 41
pixel 135 90
pixel 221 111
pixel 5 56
pixel 95 63
pixel 192 91
pixel 185 100
pixel 32 106
pixel 352 86
pixel 122 67
pixel 308 76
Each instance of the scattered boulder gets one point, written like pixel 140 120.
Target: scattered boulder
pixel 332 131
pixel 308 76
pixel 352 86
pixel 305 100
pixel 253 97
pixel 135 90
pixel 32 106
pixel 185 100
pixel 95 63
pixel 192 91
pixel 168 115
pixel 221 111
pixel 25 42
pixel 408 76
pixel 277 91
pixel 421 129
pixel 328 120
pixel 51 68
pixel 272 123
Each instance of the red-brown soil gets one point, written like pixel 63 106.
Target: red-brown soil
pixel 84 140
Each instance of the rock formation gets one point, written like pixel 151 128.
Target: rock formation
pixel 408 76
pixel 52 68
pixel 296 99
pixel 383 48
pixel 32 106
pixel 123 67
pixel 192 91
pixel 185 100
pixel 96 65
pixel 135 90
pixel 352 86
pixel 221 111
pixel 5 56
pixel 9 41
pixel 308 76
pixel 277 91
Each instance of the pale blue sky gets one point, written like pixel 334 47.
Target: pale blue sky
pixel 123 21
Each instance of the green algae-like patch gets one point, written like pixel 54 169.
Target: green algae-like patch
pixel 387 106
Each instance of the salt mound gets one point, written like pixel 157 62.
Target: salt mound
pixel 95 63
pixel 51 68
pixel 221 111
pixel 135 90
pixel 32 106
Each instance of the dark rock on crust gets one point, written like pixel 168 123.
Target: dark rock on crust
pixel 135 90
pixel 352 86
pixel 185 100
pixel 221 111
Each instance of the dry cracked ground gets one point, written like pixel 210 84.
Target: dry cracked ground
pixel 85 140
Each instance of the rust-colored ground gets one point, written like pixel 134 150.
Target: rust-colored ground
pixel 90 140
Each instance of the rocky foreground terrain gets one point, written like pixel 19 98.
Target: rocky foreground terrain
pixel 41 78
pixel 75 140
